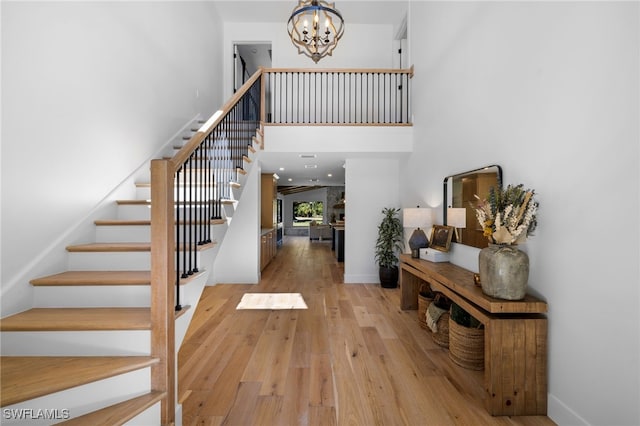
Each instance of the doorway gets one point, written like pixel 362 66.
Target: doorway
pixel 247 58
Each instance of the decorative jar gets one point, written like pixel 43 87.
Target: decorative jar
pixel 504 271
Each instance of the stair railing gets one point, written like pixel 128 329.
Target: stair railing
pixel 189 190
pixel 377 97
pixel 187 193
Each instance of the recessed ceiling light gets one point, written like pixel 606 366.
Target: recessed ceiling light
pixel 329 175
pixel 281 169
pixel 290 180
pixel 310 166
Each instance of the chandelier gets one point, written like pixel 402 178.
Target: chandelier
pixel 315 27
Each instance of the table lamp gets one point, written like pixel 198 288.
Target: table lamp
pixel 417 218
pixel 457 218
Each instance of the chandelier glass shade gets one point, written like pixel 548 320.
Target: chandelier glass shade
pixel 315 27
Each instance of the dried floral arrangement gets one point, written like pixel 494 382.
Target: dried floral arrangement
pixel 509 214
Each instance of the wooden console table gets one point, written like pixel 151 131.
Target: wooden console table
pixel 515 336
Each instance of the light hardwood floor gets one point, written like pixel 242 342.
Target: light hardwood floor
pixel 352 358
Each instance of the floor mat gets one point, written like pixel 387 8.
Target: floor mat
pixel 272 301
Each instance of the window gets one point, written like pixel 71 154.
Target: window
pixel 304 212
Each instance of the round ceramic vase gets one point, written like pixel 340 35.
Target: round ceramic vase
pixel 504 271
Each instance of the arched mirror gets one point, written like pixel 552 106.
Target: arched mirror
pixel 459 198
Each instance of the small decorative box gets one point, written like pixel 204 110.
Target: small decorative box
pixel 434 255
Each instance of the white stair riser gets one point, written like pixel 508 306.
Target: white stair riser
pixel 104 261
pixel 138 234
pixel 151 416
pixel 134 212
pixel 76 343
pixel 127 261
pixel 82 399
pixel 123 234
pixel 144 193
pixel 120 296
pixel 140 212
pixel 229 209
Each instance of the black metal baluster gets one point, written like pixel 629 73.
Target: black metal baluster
pixel 210 188
pixel 349 93
pixel 344 98
pixel 384 100
pixel 378 98
pixel 286 96
pixel 177 202
pixel 183 190
pixel 367 102
pixel 192 208
pixel 298 98
pixel 193 247
pixel 280 97
pixel 322 99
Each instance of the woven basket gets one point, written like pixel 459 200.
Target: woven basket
pixel 466 346
pixel 423 305
pixel 441 337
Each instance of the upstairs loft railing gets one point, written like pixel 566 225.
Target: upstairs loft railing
pixel 337 96
pixel 188 191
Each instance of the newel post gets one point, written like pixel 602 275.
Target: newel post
pixel 163 374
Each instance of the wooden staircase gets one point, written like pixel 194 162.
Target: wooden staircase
pixel 84 348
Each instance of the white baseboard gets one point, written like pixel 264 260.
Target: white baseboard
pixel 361 279
pixel 561 414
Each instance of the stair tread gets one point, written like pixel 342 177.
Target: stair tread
pixel 117 414
pixel 71 278
pixel 148 202
pixel 181 184
pixel 78 319
pixel 100 278
pixel 137 222
pixel 28 377
pixel 122 247
pixel 110 247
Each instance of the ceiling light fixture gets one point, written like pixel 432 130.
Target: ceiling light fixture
pixel 315 27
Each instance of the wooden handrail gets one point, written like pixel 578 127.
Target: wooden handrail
pixel 342 70
pixel 181 156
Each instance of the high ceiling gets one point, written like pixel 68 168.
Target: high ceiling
pixel 293 169
pixel 354 11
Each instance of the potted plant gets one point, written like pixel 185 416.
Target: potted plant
pixel 388 247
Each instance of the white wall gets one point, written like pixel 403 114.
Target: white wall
pixel 371 185
pixel 549 91
pixel 238 259
pixel 90 90
pixel 351 52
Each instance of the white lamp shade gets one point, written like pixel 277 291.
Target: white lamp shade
pixel 457 217
pixel 417 218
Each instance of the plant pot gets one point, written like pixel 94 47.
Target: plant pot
pixel 388 276
pixel 504 272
